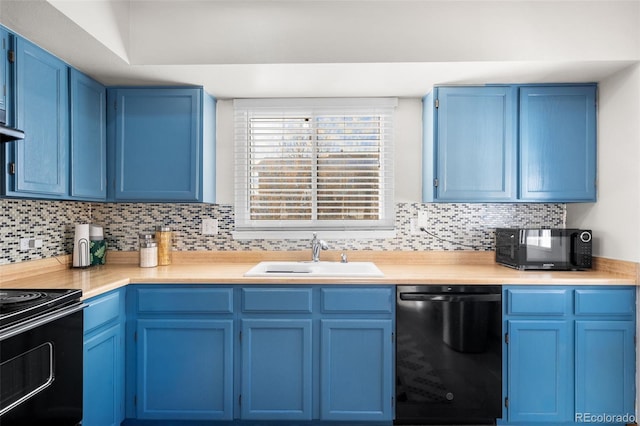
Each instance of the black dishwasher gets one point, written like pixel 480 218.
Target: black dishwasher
pixel 448 354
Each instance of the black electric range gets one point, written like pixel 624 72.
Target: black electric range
pixel 41 357
pixel 20 305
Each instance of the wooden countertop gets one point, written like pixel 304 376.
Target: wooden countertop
pixel 402 268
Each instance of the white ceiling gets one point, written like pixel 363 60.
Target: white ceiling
pixel 315 48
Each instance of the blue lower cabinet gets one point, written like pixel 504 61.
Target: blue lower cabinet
pixel 570 355
pixel 276 372
pixel 538 371
pixel 258 355
pixel 356 370
pixel 102 393
pixel 103 367
pixel 605 368
pixel 185 369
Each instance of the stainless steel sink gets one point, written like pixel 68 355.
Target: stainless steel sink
pixel 314 269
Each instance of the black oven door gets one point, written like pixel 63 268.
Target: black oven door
pixel 41 370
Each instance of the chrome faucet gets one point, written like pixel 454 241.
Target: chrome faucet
pixel 316 245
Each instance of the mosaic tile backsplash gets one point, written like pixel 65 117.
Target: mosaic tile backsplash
pixel 452 226
pixel 51 221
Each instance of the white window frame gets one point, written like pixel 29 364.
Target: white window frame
pixel 245 228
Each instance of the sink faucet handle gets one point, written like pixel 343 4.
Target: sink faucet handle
pixel 343 258
pixel 316 246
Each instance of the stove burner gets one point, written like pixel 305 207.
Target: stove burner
pixel 21 304
pixel 12 297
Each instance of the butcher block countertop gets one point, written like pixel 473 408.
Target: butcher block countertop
pixel 403 268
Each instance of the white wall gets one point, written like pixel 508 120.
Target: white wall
pixel 615 218
pixel 108 21
pixel 407 153
pixel 224 152
pixel 227 32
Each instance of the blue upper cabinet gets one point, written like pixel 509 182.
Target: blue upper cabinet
pixel 62 112
pixel 39 163
pixel 558 143
pixel 162 144
pixel 4 72
pixel 475 149
pixel 88 138
pixel 482 145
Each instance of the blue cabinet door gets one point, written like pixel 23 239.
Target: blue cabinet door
pixel 4 73
pixel 103 380
pixel 476 144
pixel 184 369
pixel 158 149
pixel 538 373
pixel 356 370
pixel 103 391
pixel 42 111
pixel 605 368
pixel 558 143
pixel 276 369
pixel 88 138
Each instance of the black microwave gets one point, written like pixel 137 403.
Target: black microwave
pixel 555 249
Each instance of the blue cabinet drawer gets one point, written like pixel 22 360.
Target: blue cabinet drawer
pixel 357 300
pixel 102 310
pixel 537 301
pixel 277 300
pixel 186 300
pixel 605 301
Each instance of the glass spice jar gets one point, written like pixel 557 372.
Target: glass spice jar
pixel 148 251
pixel 164 237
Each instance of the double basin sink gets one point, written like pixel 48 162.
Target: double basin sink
pixel 314 269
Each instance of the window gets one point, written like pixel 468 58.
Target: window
pixel 314 164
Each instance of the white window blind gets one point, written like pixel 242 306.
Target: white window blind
pixel 314 164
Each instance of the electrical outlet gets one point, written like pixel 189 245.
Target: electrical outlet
pixel 423 220
pixel 413 228
pixel 30 243
pixel 209 226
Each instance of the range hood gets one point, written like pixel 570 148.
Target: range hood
pixel 8 134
